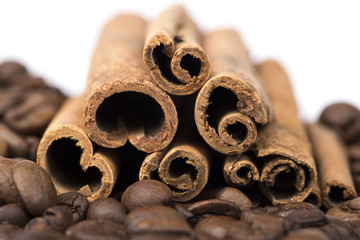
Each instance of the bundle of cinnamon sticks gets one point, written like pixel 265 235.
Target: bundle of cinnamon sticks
pixel 169 102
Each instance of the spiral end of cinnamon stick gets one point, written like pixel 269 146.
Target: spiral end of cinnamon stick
pixel 184 169
pixel 226 112
pixel 240 171
pixel 132 110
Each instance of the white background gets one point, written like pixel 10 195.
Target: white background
pixel 318 42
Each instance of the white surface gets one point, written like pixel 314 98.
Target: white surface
pixel 318 42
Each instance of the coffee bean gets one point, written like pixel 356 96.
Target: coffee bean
pixel 3 147
pixel 214 207
pixel 308 234
pixel 33 143
pixel 38 235
pixel 304 218
pixel 96 230
pixel 156 219
pixel 39 224
pixel 289 208
pixel 146 192
pixel 235 196
pixel 8 190
pixel 339 115
pixel 264 226
pixel 354 205
pixel 77 202
pixel 17 146
pixel 35 187
pixel 9 70
pixel 7 230
pixel 338 228
pixel 352 132
pixel 163 236
pixel 14 213
pixel 107 209
pixel 59 217
pixel 353 151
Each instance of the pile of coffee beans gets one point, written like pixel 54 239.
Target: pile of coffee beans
pixel 27 105
pixel 145 210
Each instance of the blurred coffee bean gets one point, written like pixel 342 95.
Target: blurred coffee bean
pixel 96 230
pixel 347 209
pixel 35 111
pixel 164 236
pixel 352 132
pixel 304 218
pixel 307 234
pixel 219 226
pixel 7 230
pixel 355 167
pixel 33 143
pixel 17 146
pixel 8 190
pixel 14 213
pixel 146 192
pixel 235 196
pixel 338 228
pixel 214 207
pixel 339 115
pixel 3 148
pixel 353 151
pixel 289 208
pixel 77 202
pixel 39 224
pixel 9 70
pixel 38 235
pixel 156 219
pixel 107 209
pixel 35 187
pixel 59 217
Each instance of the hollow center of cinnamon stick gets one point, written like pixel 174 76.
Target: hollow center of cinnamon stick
pixel 244 173
pixel 63 159
pixel 188 63
pixel 336 194
pixel 237 131
pixel 191 64
pixel 179 167
pixel 137 112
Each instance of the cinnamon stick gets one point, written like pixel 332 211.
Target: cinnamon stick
pixel 240 171
pixel 173 54
pixel 185 165
pixel 68 155
pixel 288 173
pixel 231 104
pixel 121 102
pixel 315 196
pixel 336 182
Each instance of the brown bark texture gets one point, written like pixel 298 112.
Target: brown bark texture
pixel 288 172
pixel 232 102
pixel 173 53
pixel 336 183
pixel 68 155
pixel 121 102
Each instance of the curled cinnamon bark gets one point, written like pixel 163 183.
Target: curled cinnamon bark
pixel 173 54
pixel 67 154
pixel 232 102
pixel 121 101
pixel 184 166
pixel 288 173
pixel 333 165
pixel 240 170
pixel 315 196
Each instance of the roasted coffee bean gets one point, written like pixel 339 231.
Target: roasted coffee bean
pixel 33 143
pixel 304 218
pixel 219 226
pixel 338 228
pixel 348 209
pixel 9 70
pixel 235 196
pixel 35 111
pixel 214 207
pixel 14 213
pixel 96 230
pixel 156 219
pixel 163 236
pixel 289 208
pixel 8 190
pixel 7 230
pixel 17 146
pixel 35 187
pixel 353 151
pixel 39 224
pixel 38 235
pixel 339 115
pixel 352 132
pixel 77 202
pixel 107 209
pixel 59 217
pixel 308 234
pixel 146 192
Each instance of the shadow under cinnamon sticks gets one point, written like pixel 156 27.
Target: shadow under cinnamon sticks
pixel 71 159
pixel 232 103
pixel 173 54
pixel 288 171
pixel 121 102
pixel 185 165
